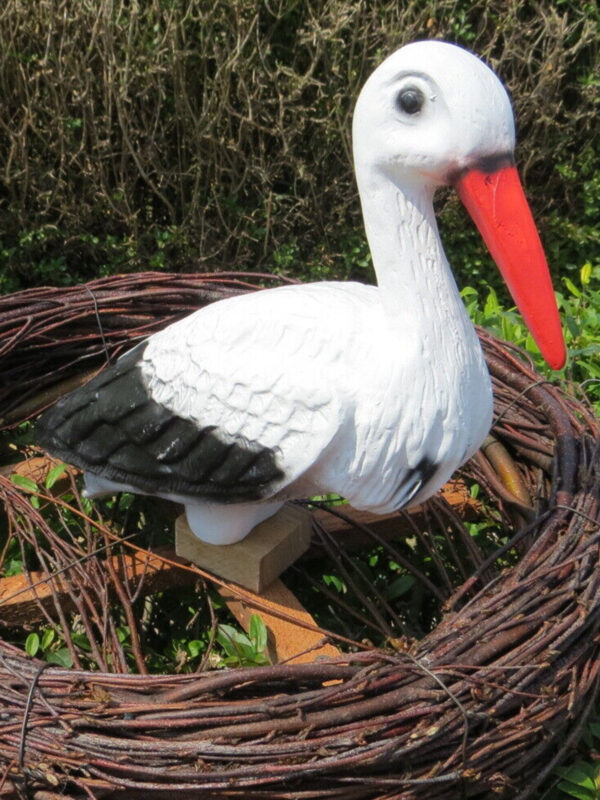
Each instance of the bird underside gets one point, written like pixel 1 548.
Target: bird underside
pixel 213 522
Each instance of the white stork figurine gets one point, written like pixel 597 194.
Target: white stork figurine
pixel 376 393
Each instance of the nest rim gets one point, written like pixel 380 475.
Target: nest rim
pixel 455 747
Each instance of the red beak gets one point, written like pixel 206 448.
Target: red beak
pixel 497 205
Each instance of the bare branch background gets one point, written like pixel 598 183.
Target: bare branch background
pixel 180 132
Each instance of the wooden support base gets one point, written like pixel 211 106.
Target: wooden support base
pixel 256 563
pixel 257 560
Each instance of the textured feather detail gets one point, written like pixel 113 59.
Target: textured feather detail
pixel 113 427
pixel 264 367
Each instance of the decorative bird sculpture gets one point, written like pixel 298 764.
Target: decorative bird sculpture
pixel 375 393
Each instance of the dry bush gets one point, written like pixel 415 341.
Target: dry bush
pixel 178 131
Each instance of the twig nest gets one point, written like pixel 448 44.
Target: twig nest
pixel 486 701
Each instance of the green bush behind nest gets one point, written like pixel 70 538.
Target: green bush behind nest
pixel 179 133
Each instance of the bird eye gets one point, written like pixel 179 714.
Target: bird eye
pixel 410 100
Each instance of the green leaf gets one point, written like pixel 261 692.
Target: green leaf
pixel 82 641
pixel 125 500
pixel 580 774
pixel 195 647
pixel 240 651
pixel 333 580
pixel 232 641
pixel 400 586
pixel 576 791
pixel 591 368
pixel 585 273
pixel 123 633
pixel 54 474
pixel 24 482
pixel 258 632
pixel 572 288
pixel 261 660
pixel 47 638
pixel 32 644
pixel 60 657
pixel 14 567
pixel 492 306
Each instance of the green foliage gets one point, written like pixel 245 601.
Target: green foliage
pixel 579 779
pixel 579 306
pixel 25 483
pixel 241 650
pixel 53 475
pixel 48 645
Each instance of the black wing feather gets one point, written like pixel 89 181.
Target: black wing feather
pixel 113 428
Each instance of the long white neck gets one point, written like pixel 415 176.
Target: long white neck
pixel 417 288
pixel 424 311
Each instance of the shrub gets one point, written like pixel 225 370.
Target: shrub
pixel 176 133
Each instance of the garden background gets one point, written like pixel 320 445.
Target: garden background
pixel 185 134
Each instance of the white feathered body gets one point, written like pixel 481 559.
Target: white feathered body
pixel 349 400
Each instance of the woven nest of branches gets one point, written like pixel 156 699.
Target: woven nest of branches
pixel 479 689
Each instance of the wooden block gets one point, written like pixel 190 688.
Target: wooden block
pixel 288 641
pixel 257 560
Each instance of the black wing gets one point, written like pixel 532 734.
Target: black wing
pixel 113 428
